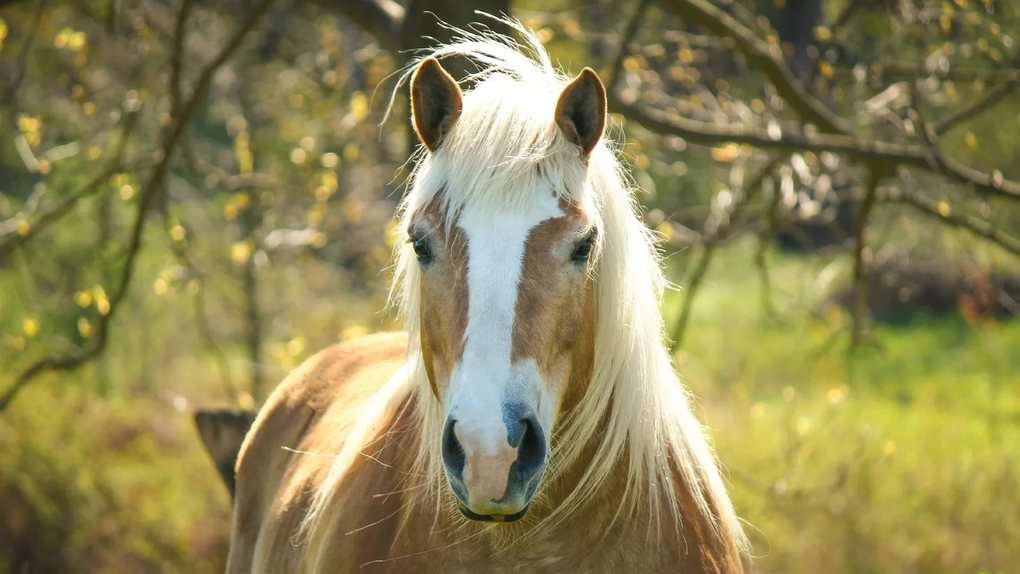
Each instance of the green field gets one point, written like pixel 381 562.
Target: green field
pixel 903 456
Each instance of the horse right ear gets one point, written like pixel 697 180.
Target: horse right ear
pixel 436 103
pixel 581 110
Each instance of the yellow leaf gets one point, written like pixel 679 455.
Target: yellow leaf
pixel 666 229
pixel 726 153
pixel 944 208
pixel 970 140
pixel 178 233
pixel 359 106
pixel 30 326
pixel 330 181
pixel 83 298
pixel 102 301
pixel 84 327
pixel 241 251
pixel 889 448
pixel 837 395
pixel 242 151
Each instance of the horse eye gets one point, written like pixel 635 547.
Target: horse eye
pixel 422 249
pixel 582 251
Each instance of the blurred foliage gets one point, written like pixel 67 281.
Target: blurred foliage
pixel 272 235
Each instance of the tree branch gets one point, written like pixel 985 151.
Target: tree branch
pixel 616 69
pixel 710 240
pixel 992 97
pixel 860 276
pixel 382 19
pixel 763 56
pixel 150 190
pixel 12 232
pixel 944 213
pixel 876 153
pixel 26 48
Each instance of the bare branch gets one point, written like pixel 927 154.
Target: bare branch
pixel 942 212
pixel 624 46
pixel 992 97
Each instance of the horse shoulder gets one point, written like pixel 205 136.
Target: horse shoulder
pixel 273 477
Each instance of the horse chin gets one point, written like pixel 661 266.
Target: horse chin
pixel 493 517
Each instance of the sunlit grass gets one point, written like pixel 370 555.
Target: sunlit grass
pixel 900 456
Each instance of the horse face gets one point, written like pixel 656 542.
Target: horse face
pixel 506 311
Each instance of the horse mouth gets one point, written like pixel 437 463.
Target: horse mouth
pixel 493 517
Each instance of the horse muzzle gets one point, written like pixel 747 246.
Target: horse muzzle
pixel 495 475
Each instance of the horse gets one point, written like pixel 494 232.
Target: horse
pixel 529 419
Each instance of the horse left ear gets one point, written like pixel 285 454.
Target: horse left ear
pixel 581 110
pixel 436 102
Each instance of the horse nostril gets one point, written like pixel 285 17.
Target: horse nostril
pixel 531 450
pixel 453 452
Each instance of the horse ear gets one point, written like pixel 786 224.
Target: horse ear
pixel 436 102
pixel 581 110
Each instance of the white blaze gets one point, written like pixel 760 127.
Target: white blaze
pixel 484 379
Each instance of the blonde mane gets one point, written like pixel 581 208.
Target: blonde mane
pixel 504 142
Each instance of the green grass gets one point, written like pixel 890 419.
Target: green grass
pixel 903 456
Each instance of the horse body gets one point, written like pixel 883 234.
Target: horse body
pixel 379 526
pixel 530 420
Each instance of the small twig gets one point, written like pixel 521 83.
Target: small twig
pixel 942 212
pixel 710 240
pixel 992 97
pixel 844 17
pixel 181 253
pixel 765 238
pixel 629 32
pixel 26 49
pixel 691 286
